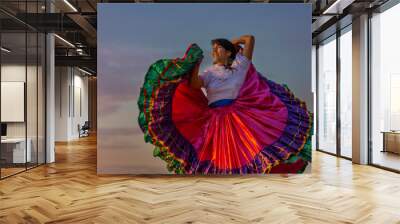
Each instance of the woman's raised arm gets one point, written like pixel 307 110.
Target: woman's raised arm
pixel 248 42
pixel 195 81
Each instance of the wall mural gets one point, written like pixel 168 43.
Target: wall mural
pixel 204 101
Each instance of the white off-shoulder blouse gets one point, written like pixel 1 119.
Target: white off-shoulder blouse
pixel 223 83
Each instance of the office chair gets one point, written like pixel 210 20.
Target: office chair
pixel 84 130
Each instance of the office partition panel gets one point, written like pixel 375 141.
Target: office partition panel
pixel 23 89
pixel 31 100
pixel 15 149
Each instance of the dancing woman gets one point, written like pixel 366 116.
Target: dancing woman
pixel 244 124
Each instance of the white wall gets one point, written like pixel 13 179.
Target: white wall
pixel 71 92
pixel 16 72
pixel 80 110
pixel 33 127
pixel 62 81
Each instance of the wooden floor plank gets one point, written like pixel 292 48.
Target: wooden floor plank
pixel 69 191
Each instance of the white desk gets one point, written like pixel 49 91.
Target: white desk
pixel 18 149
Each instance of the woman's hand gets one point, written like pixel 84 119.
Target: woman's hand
pixel 236 41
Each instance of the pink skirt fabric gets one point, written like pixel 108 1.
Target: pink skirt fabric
pixel 264 126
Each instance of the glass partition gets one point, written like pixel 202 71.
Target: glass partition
pixel 385 89
pixel 31 99
pixel 22 101
pixel 41 87
pixel 346 92
pixel 327 95
pixel 14 153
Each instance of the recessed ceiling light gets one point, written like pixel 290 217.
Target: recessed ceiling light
pixel 335 4
pixel 70 5
pixel 65 41
pixel 5 50
pixel 84 71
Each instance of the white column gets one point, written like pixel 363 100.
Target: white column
pixel 50 100
pixel 360 89
pixel 50 92
pixel 63 100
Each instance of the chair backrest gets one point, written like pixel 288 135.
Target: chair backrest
pixel 86 124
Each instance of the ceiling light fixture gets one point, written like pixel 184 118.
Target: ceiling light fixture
pixel 5 50
pixel 79 51
pixel 84 71
pixel 64 40
pixel 329 9
pixel 70 5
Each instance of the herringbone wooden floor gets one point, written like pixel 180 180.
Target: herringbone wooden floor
pixel 69 191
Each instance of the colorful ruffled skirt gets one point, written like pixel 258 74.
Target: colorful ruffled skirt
pixel 266 129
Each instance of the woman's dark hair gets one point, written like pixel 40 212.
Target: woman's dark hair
pixel 227 45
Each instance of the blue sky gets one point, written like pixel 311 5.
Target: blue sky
pixel 132 36
pixel 145 32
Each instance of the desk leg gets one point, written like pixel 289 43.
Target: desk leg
pixel 384 142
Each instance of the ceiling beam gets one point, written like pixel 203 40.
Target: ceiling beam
pixel 338 6
pixel 86 27
pixel 82 61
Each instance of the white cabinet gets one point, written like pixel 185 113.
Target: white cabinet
pixel 17 146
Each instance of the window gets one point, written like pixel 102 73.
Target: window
pixel 385 89
pixel 327 95
pixel 346 92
